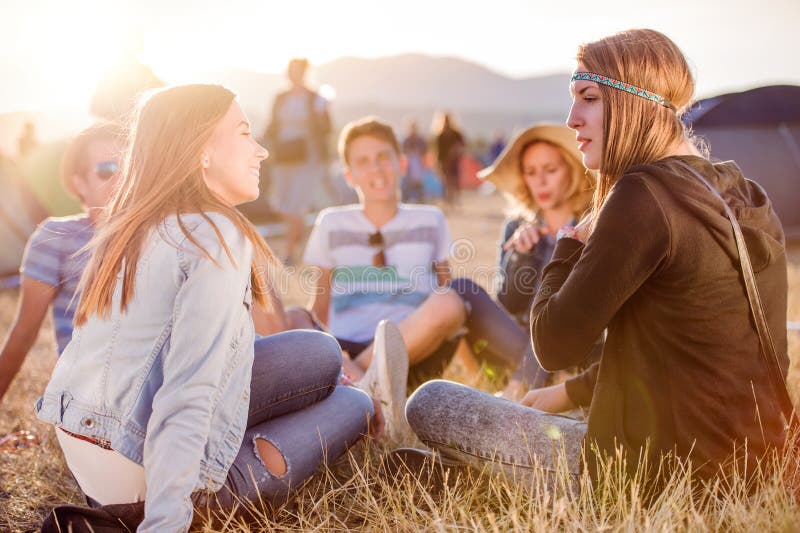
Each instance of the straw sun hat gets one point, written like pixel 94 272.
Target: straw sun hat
pixel 505 172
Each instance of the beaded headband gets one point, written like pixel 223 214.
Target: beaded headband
pixel 622 86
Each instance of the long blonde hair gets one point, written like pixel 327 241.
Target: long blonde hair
pixel 162 176
pixel 578 195
pixel 635 130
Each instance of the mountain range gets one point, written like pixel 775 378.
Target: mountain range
pixel 397 88
pixel 414 86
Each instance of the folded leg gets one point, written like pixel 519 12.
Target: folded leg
pixel 477 428
pixel 292 370
pixel 304 440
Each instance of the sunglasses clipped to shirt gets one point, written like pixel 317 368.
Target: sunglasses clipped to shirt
pixel 106 169
pixel 376 241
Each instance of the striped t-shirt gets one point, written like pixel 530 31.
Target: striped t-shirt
pixel 362 294
pixel 52 257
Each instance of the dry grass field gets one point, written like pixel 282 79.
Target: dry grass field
pixel 353 495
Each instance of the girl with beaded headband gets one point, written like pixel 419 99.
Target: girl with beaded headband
pixel 656 265
pixel 642 112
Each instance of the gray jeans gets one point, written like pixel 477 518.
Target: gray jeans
pixel 482 430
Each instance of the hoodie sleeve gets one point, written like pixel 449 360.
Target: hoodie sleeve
pixel 583 287
pixel 580 388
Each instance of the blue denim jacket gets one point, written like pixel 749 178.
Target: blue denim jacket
pixel 168 381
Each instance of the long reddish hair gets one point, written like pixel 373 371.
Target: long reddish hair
pixel 162 176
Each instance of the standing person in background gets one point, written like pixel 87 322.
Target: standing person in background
pixel 55 257
pixel 450 146
pixel 414 148
pixel 297 137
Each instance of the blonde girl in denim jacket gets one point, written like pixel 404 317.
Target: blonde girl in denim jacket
pixel 164 396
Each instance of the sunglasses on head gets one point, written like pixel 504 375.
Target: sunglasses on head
pixel 376 241
pixel 106 169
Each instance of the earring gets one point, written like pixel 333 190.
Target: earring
pixel 205 162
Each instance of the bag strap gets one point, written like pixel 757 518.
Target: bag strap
pixel 756 307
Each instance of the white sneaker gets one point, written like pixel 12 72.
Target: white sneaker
pixel 386 380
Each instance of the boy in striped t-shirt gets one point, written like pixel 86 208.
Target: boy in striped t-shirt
pixel 54 258
pixel 381 259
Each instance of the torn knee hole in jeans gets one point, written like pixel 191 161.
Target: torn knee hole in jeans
pixel 270 456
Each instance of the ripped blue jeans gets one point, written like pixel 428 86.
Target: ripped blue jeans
pixel 296 405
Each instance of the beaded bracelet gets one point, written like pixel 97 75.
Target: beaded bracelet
pixel 568 232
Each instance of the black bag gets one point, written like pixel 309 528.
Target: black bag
pixel 289 152
pixel 122 518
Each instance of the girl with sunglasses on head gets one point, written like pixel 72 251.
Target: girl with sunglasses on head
pixel 683 374
pixel 54 257
pixel 164 396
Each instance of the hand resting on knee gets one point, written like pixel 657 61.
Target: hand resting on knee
pixel 553 399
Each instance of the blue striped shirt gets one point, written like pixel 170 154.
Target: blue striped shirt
pixel 52 257
pixel 362 294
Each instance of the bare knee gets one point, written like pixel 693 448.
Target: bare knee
pixel 447 309
pixel 271 457
pixel 299 318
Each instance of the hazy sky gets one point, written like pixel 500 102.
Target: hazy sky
pixel 53 52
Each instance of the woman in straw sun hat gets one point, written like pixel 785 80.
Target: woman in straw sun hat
pixel 547 187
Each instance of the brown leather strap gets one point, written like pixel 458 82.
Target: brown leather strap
pixel 756 307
